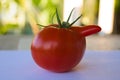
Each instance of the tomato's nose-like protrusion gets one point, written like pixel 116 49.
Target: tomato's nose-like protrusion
pixel 87 30
pixel 90 29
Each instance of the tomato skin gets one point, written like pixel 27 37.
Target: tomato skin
pixel 86 30
pixel 58 49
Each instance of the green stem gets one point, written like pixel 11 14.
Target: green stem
pixel 40 25
pixel 63 24
pixel 58 19
pixel 70 15
pixel 75 20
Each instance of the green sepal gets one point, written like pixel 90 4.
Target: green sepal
pixel 58 19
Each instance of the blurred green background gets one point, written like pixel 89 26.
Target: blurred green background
pixel 19 19
pixel 19 16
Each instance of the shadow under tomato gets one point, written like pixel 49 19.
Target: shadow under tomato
pixel 80 67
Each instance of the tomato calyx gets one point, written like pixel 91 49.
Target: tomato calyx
pixel 85 31
pixel 66 24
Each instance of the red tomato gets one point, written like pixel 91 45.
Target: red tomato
pixel 60 49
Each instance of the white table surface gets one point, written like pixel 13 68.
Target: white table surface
pixel 96 65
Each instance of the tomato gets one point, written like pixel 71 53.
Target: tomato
pixel 59 47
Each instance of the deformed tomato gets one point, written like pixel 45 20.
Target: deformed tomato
pixel 60 47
